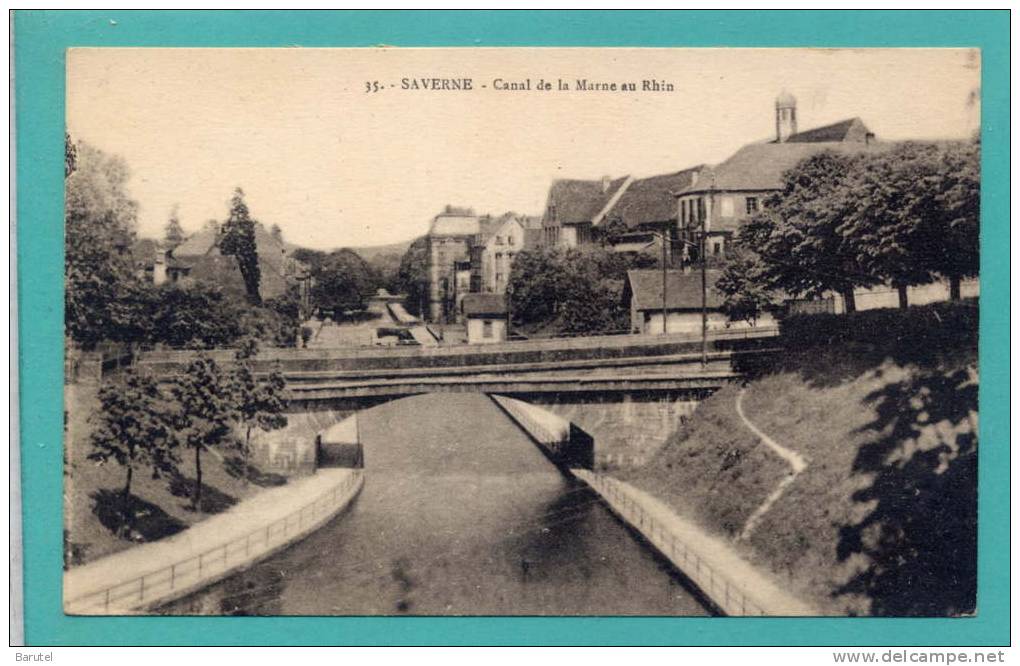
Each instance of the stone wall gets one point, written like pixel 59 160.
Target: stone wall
pixel 627 429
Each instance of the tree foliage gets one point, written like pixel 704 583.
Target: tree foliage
pixel 902 216
pixel 132 429
pixel 572 291
pixel 412 277
pixel 100 221
pixel 173 232
pixel 342 281
pixel 238 240
pixel 195 316
pixel 746 295
pixel 200 413
pixel 257 403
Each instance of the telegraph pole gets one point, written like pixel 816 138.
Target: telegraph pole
pixel 704 297
pixel 664 312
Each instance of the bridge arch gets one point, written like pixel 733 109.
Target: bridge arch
pixel 591 429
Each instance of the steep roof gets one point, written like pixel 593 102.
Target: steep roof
pixel 480 305
pixel 683 290
pixel 575 201
pixel 651 200
pixel 760 166
pixel 851 129
pixel 201 253
pixel 196 244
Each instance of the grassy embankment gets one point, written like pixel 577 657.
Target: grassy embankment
pixel 883 405
pixel 95 521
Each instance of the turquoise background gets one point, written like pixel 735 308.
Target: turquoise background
pixel 40 40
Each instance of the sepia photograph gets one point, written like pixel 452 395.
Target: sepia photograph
pixel 521 331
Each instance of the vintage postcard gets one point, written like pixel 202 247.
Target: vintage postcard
pixel 521 331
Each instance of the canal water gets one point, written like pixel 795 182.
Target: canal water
pixel 460 514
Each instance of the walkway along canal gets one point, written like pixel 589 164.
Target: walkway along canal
pixel 460 514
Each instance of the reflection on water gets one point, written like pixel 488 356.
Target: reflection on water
pixel 460 515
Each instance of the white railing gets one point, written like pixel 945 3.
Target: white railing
pixel 724 593
pixel 208 566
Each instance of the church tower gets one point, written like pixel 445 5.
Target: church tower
pixel 786 116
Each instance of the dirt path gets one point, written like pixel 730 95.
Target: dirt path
pixel 796 462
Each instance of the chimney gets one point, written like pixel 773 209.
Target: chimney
pixel 605 184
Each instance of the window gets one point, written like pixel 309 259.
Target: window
pixel 499 256
pixel 751 203
pixel 726 207
pixel 499 240
pixel 499 277
pixel 510 240
pixel 486 329
pixel 716 248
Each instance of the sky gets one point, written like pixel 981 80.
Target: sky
pixel 334 165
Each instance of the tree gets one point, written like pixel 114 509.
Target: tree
pixel 132 430
pixel 412 277
pixel 802 238
pixel 200 414
pixel 746 295
pixel 342 281
pixel 572 291
pixel 194 316
pixel 173 232
pixel 257 403
pixel 99 220
pixel 238 240
pixel 950 198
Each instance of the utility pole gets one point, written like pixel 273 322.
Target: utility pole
pixel 704 296
pixel 664 311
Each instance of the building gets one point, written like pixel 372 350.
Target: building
pixel 574 207
pixel 633 212
pixel 448 256
pixel 149 259
pixel 683 303
pixel 646 211
pixel 722 197
pixel 494 249
pixel 198 259
pixel 486 317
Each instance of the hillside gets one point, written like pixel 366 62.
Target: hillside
pixel 882 405
pixel 369 253
pixel 94 517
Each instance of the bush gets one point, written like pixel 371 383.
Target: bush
pixel 919 330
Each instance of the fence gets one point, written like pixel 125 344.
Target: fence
pixel 181 577
pixel 726 595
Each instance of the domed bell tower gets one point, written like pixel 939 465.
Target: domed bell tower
pixel 786 116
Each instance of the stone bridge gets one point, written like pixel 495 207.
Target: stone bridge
pixel 629 393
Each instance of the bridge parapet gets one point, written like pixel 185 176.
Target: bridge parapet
pixel 508 353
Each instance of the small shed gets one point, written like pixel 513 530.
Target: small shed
pixel 682 304
pixel 486 317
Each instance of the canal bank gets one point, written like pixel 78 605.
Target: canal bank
pixel 461 514
pixel 730 583
pixel 148 575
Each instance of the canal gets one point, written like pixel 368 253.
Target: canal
pixel 460 514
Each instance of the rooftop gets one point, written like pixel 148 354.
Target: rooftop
pixel 651 200
pixel 576 201
pixel 480 305
pixel 683 290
